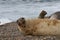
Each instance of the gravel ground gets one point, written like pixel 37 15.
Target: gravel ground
pixel 10 31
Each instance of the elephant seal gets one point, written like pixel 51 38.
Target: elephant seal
pixel 38 26
pixel 55 15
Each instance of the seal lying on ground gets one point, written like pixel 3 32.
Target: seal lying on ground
pixel 55 15
pixel 39 26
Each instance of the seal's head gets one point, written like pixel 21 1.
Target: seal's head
pixel 23 26
pixel 21 22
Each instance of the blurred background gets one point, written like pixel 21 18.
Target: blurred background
pixel 11 10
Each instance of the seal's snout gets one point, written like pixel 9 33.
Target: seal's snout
pixel 21 21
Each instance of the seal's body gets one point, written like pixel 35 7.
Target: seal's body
pixel 39 26
pixel 55 15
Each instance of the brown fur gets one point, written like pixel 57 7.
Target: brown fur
pixel 40 26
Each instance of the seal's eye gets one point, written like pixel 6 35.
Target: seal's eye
pixel 22 18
